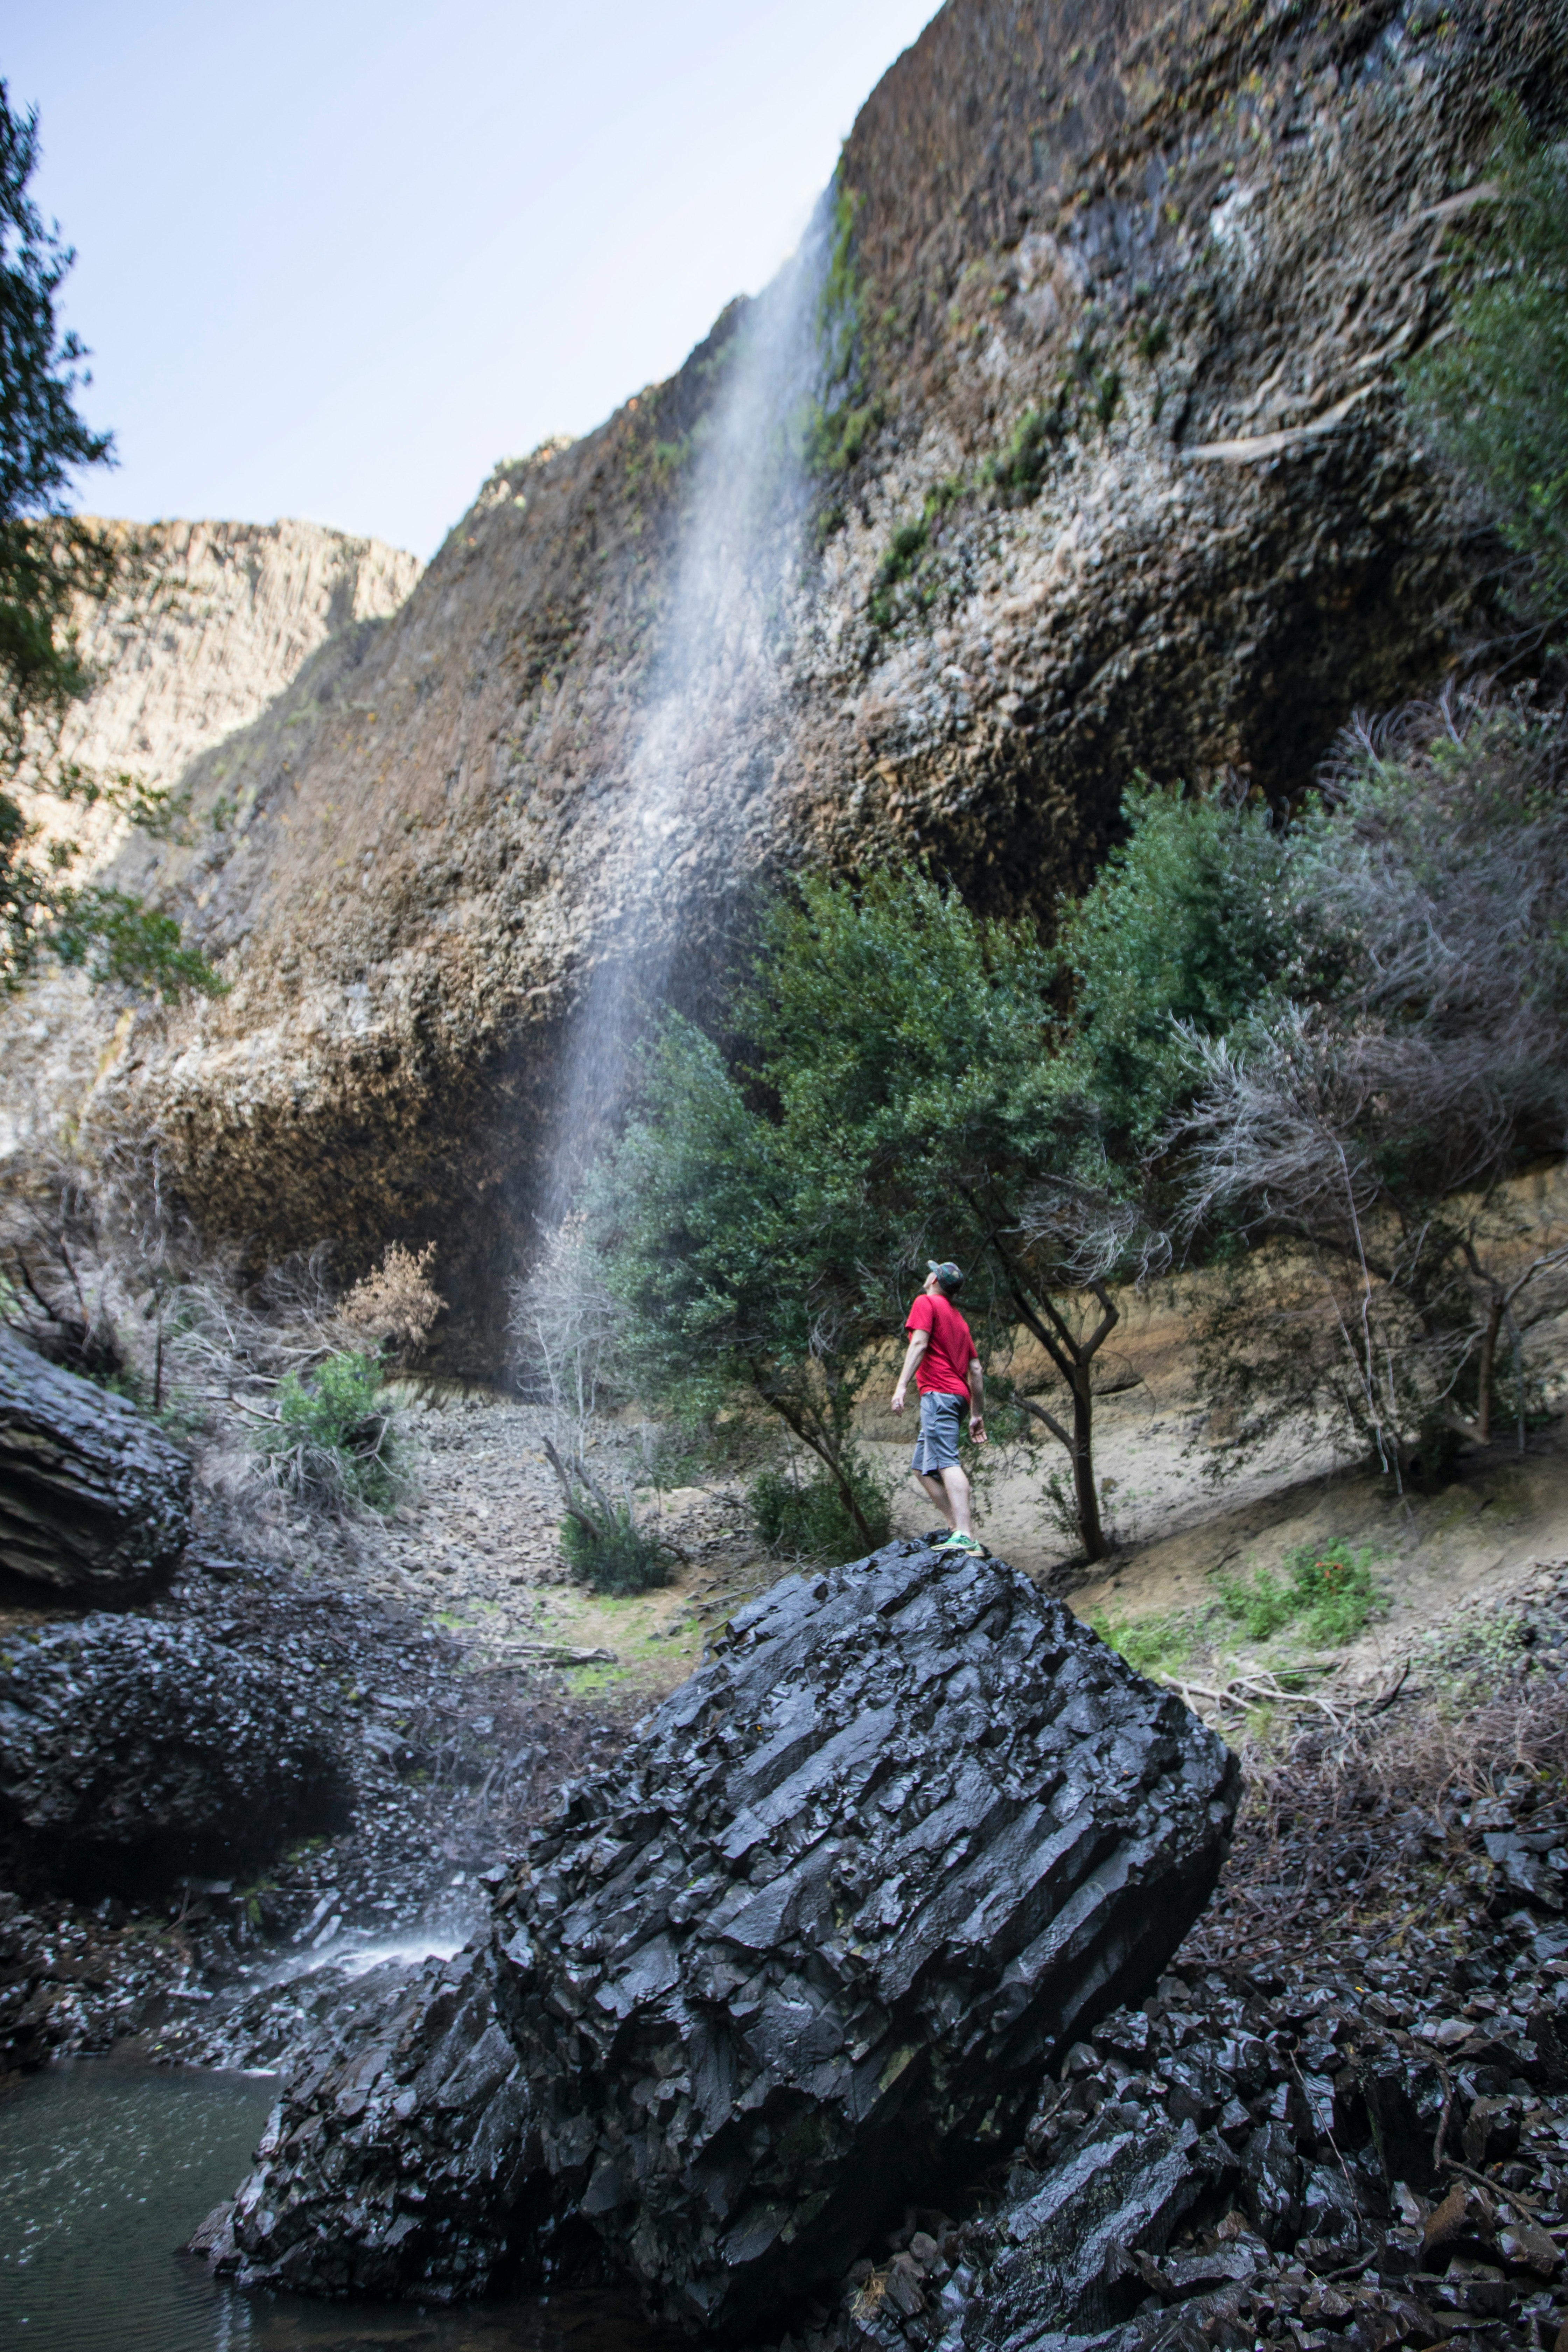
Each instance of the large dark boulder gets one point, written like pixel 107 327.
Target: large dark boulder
pixel 93 1497
pixel 804 1953
pixel 808 1952
pixel 132 1749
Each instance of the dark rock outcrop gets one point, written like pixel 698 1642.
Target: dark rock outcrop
pixel 395 2161
pixel 805 1952
pixel 132 1749
pixel 93 1497
pixel 808 1951
pixel 1067 2250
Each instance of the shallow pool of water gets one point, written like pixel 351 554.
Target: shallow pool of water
pixel 106 2167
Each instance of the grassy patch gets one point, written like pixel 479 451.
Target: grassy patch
pixel 1154 1645
pixel 1325 1592
pixel 1017 470
pixel 907 551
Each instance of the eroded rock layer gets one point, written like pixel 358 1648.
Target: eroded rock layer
pixel 132 1749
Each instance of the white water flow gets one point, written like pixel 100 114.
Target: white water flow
pixel 698 785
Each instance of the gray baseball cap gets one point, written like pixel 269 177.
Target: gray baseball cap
pixel 946 1273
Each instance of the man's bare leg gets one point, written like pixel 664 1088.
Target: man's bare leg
pixel 956 1506
pixel 938 1494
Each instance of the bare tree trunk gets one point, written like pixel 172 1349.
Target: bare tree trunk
pixel 1489 1360
pixel 1087 1494
pixel 1074 1358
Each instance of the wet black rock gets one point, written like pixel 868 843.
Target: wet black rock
pixel 808 1951
pixel 398 2159
pixel 132 1749
pixel 1305 2205
pixel 93 1497
pixel 1070 2247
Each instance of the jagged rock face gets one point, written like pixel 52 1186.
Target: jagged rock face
pixel 130 1750
pixel 224 616
pixel 805 1952
pixel 1064 2263
pixel 94 1497
pixel 395 2162
pixel 1179 253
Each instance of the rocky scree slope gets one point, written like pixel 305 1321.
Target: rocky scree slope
pixel 803 1952
pixel 1111 472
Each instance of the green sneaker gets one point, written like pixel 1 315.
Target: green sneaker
pixel 970 1544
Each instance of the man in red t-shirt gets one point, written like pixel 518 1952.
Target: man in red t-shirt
pixel 942 1356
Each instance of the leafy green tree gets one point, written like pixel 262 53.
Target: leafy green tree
pixel 920 1046
pixel 1494 393
pixel 51 561
pixel 899 1093
pixel 735 1262
pixel 1189 925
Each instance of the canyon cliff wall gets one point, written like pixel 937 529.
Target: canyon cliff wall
pixel 221 618
pixel 1111 472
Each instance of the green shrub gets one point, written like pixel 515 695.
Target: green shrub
pixel 621 1558
pixel 1327 1593
pixel 332 1442
pixel 1152 1644
pixel 810 1516
pixel 1016 470
pixel 1494 393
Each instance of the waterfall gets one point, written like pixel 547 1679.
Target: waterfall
pixel 696 784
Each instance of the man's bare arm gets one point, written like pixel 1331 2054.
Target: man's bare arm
pixel 918 1342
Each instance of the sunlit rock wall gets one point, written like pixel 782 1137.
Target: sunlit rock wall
pixel 1192 244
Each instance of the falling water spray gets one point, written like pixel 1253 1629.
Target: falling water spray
pixel 698 787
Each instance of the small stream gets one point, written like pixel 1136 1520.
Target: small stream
pixel 107 2165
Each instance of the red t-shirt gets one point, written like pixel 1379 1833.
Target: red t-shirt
pixel 944 1369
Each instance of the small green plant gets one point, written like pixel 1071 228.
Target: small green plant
pixel 836 438
pixel 907 549
pixel 1016 472
pixel 810 1517
pixel 907 544
pixel 615 1556
pixel 332 1440
pixel 1327 1594
pixel 1152 339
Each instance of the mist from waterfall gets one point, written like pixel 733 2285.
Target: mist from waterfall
pixel 692 793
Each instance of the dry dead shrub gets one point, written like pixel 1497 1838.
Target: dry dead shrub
pixel 395 1305
pixel 1366 1820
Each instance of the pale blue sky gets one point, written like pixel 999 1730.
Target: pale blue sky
pixel 337 259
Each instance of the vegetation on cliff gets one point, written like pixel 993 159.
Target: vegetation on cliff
pixel 51 561
pixel 1491 392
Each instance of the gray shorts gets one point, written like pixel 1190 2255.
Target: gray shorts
pixel 936 1448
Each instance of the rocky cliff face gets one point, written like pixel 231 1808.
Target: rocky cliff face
pixel 224 618
pixel 1112 472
